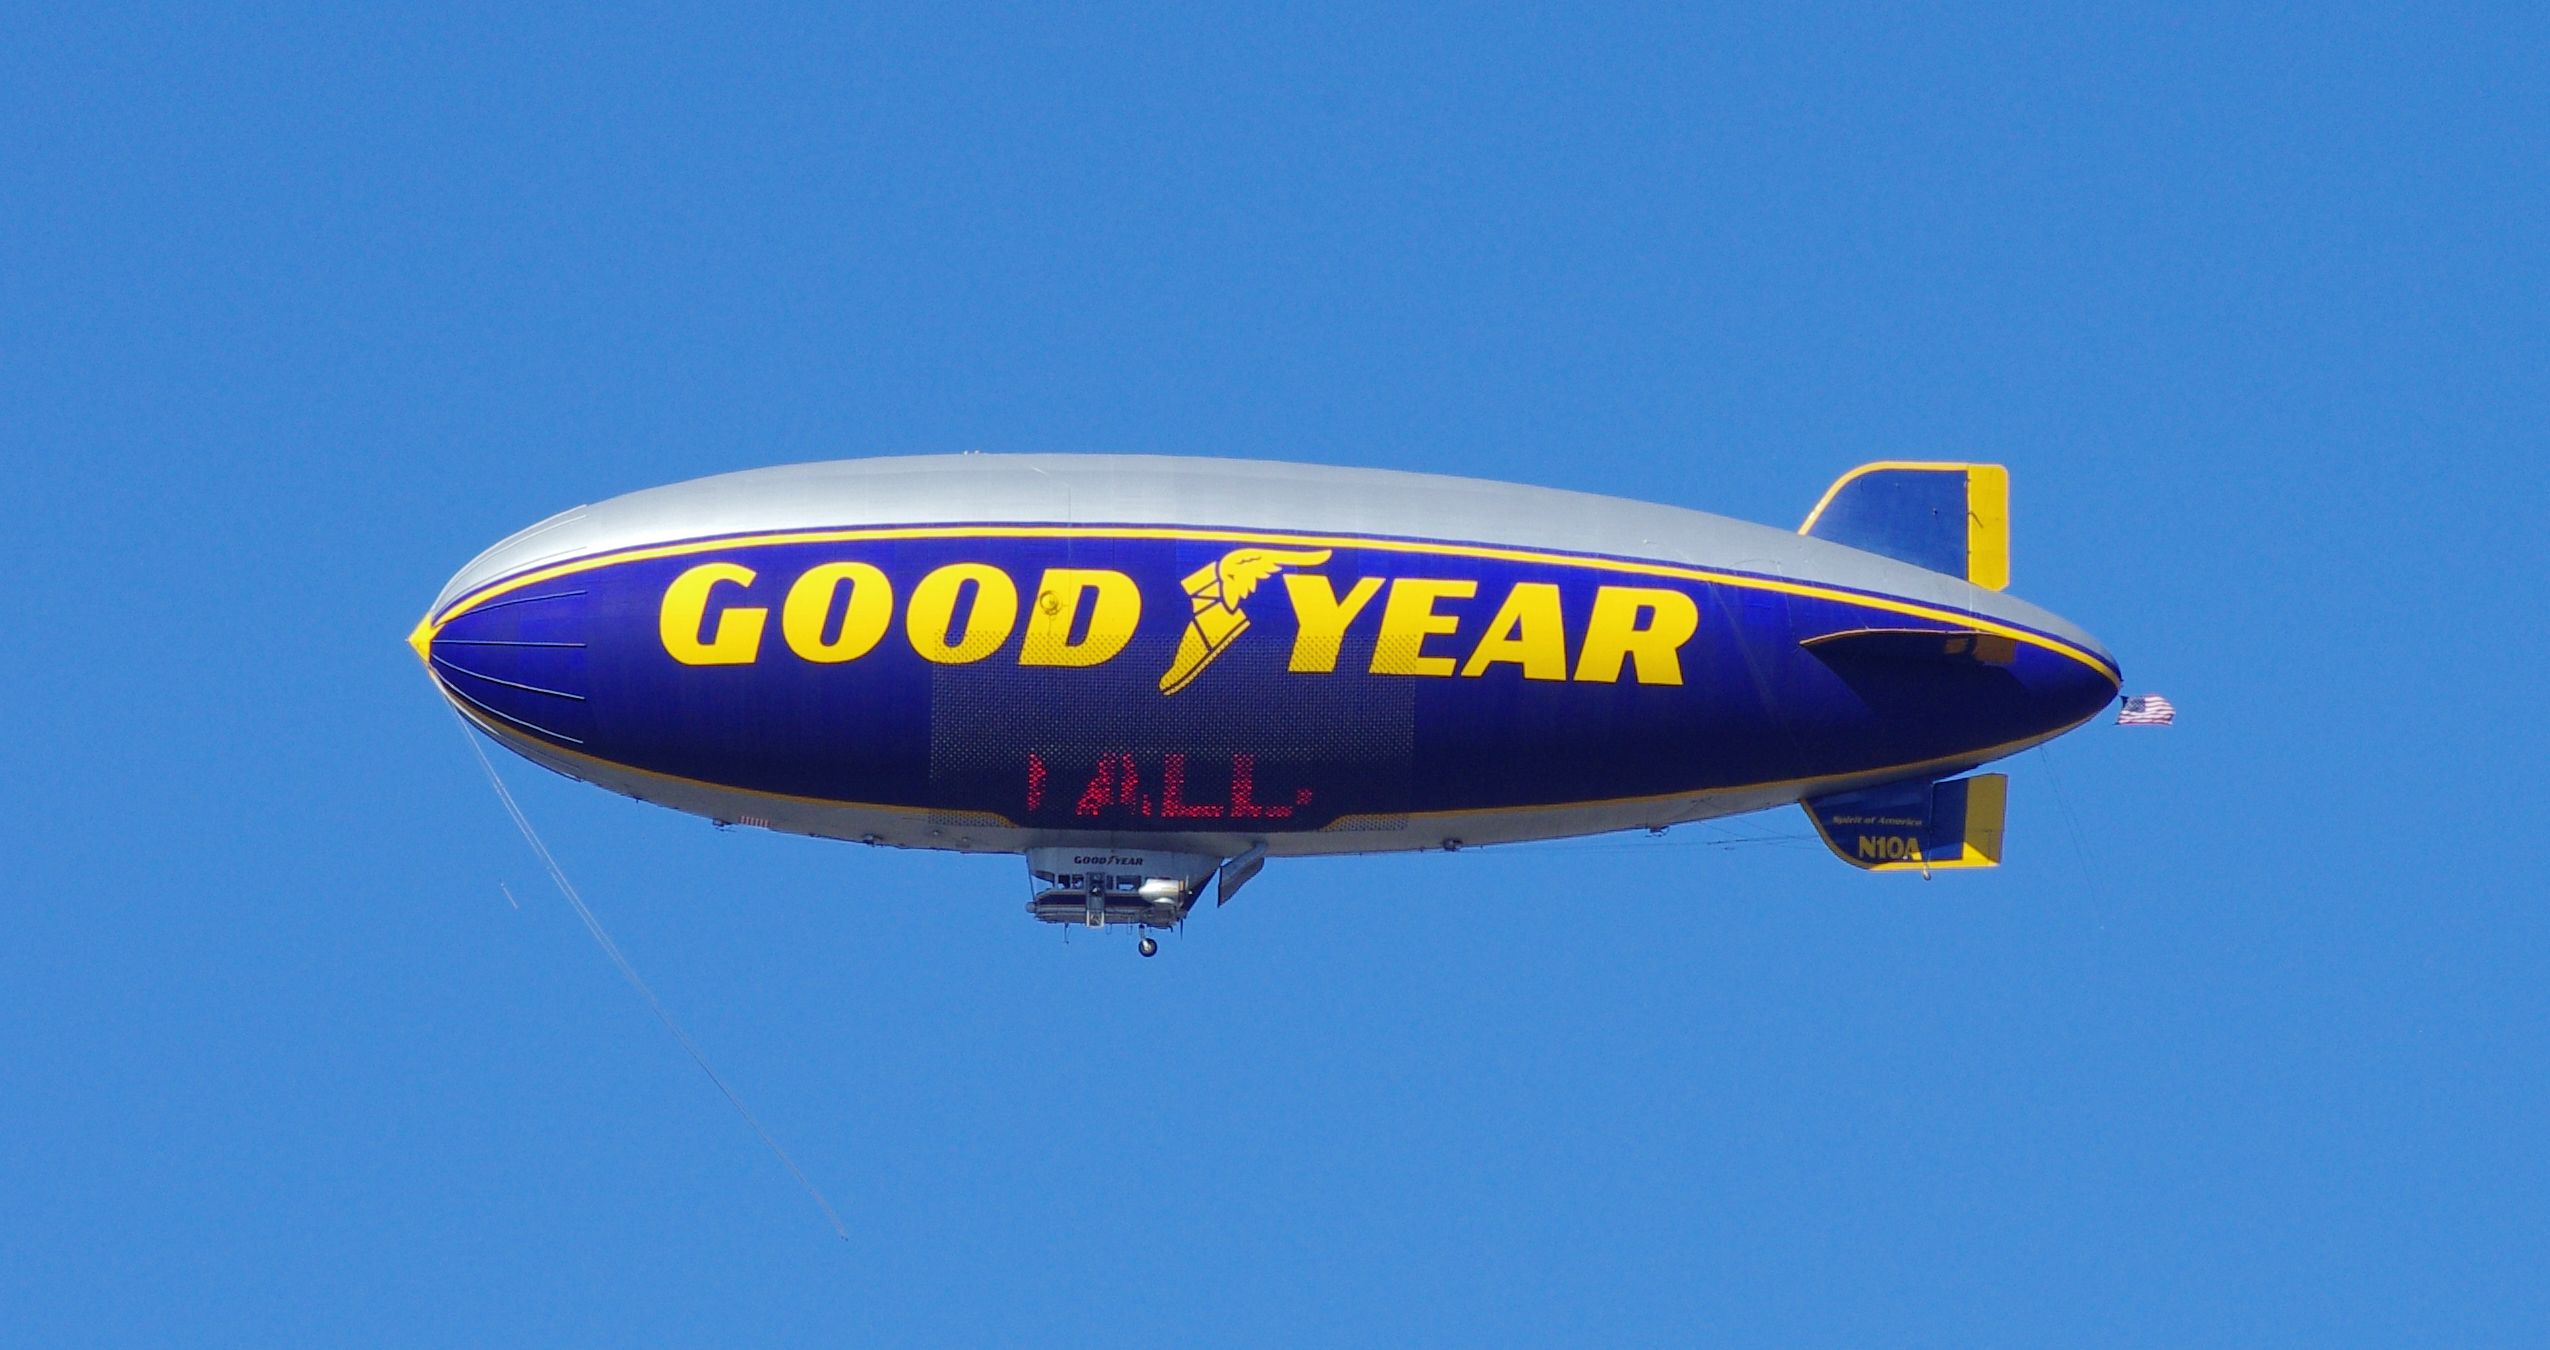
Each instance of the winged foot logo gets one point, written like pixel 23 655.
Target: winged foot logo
pixel 1215 593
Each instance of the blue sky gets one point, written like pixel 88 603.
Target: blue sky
pixel 301 307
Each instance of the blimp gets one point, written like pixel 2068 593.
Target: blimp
pixel 1148 676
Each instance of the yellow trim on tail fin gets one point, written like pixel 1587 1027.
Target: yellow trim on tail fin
pixel 1987 810
pixel 1878 466
pixel 1988 526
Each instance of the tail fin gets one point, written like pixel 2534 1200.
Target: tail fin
pixel 1952 518
pixel 1917 826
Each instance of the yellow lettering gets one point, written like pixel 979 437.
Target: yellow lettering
pixel 737 639
pixel 1408 619
pixel 1112 616
pixel 1320 618
pixel 1527 631
pixel 1640 623
pixel 932 617
pixel 1868 847
pixel 810 604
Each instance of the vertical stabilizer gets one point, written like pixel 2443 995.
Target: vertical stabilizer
pixel 1952 518
pixel 1919 826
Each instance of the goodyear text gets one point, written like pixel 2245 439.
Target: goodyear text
pixel 964 612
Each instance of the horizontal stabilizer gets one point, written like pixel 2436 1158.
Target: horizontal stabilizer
pixel 1899 645
pixel 1916 826
pixel 1952 518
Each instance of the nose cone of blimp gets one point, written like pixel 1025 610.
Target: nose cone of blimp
pixel 514 660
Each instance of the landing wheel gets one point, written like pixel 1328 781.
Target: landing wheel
pixel 1149 946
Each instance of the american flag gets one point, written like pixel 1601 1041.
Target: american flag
pixel 2145 710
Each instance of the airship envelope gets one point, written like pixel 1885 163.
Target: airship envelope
pixel 1146 673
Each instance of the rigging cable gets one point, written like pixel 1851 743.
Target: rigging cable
pixel 628 972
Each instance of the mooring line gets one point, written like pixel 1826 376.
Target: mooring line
pixel 628 972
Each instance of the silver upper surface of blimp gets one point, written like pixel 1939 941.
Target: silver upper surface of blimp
pixel 1236 494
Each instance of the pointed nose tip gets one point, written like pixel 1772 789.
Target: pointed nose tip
pixel 518 660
